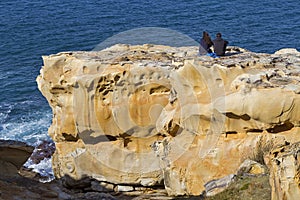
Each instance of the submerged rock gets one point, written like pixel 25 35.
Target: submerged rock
pixel 44 150
pixel 156 115
pixel 38 165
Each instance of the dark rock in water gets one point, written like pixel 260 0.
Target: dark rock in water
pixel 42 151
pixel 13 155
pixel 31 174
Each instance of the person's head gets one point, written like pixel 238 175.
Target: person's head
pixel 206 38
pixel 219 35
pixel 205 34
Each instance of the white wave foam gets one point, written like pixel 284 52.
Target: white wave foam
pixel 30 130
pixel 28 127
pixel 44 168
pixel 4 112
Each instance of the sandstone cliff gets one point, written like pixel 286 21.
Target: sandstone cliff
pixel 132 116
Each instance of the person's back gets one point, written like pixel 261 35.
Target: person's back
pixel 219 45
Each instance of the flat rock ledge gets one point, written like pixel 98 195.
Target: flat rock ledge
pixel 138 117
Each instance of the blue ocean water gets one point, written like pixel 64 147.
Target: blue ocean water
pixel 30 29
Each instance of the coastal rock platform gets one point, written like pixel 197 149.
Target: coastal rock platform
pixel 146 116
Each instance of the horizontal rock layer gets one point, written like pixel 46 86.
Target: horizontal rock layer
pixel 151 115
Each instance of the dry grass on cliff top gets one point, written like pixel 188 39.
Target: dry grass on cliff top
pixel 246 188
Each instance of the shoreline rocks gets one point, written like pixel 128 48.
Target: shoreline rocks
pixel 13 155
pixel 151 115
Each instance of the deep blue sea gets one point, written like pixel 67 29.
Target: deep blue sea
pixel 32 28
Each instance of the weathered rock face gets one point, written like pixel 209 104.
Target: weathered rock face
pixel 284 164
pixel 143 115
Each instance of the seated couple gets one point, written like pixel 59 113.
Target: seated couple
pixel 219 45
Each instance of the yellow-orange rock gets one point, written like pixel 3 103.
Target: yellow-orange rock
pixel 143 115
pixel 284 164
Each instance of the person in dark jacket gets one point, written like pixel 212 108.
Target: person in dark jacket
pixel 220 45
pixel 205 44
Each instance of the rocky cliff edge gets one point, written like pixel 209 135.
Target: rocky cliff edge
pixel 144 116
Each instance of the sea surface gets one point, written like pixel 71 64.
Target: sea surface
pixel 32 28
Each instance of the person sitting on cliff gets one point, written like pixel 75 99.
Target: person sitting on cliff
pixel 219 45
pixel 205 44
